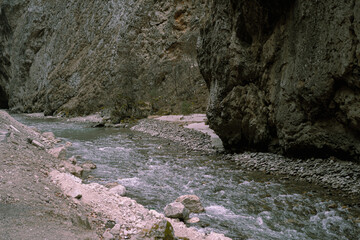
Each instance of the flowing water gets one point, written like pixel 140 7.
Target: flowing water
pixel 240 204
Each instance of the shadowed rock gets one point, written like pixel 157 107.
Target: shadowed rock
pixel 284 76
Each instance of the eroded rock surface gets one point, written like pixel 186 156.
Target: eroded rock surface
pixel 284 75
pixel 134 57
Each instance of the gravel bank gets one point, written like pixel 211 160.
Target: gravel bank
pixel 175 131
pixel 31 205
pixel 38 193
pixel 332 173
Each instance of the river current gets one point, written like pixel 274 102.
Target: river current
pixel 239 204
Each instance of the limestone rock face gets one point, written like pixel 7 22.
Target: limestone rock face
pixel 78 57
pixel 284 76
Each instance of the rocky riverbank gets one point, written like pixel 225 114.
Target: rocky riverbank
pixel 40 193
pixel 331 173
pixel 31 206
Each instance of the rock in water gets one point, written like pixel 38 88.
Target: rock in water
pixel 176 210
pixel 191 202
pixel 87 166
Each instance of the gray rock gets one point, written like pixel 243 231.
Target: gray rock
pixel 3 134
pixel 116 229
pixel 58 152
pixel 160 62
pixel 160 230
pixel 37 144
pixel 87 166
pixel 49 135
pixel 176 210
pixel 73 169
pixel 193 220
pixel 216 236
pixel 119 190
pixel 275 85
pixel 108 236
pixel 191 202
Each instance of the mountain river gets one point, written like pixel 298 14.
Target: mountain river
pixel 239 204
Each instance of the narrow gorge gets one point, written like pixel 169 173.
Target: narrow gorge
pixel 283 76
pixel 271 87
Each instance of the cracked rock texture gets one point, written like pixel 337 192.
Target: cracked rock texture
pixel 78 57
pixel 284 76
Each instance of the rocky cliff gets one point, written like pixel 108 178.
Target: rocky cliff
pixel 77 57
pixel 284 75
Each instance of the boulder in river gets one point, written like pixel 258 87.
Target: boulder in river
pixel 191 202
pixel 176 210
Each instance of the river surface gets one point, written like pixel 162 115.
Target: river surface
pixel 239 204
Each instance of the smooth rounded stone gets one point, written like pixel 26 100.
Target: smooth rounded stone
pixel 191 202
pixel 176 210
pixel 193 220
pixel 119 190
pixel 111 184
pixel 58 152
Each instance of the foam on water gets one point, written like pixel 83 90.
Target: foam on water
pixel 239 204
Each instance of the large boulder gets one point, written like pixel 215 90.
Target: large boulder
pixel 176 210
pixel 191 202
pixel 284 75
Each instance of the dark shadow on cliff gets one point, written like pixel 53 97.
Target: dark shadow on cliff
pixel 4 101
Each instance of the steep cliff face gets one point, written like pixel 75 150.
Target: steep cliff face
pixel 284 75
pixel 78 57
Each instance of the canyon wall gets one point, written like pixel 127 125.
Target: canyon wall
pixel 284 76
pixel 77 57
